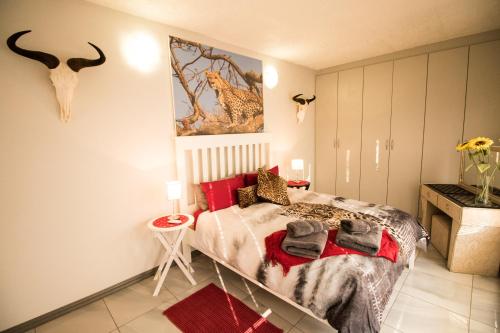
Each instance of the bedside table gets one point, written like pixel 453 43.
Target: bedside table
pixel 160 226
pixel 299 184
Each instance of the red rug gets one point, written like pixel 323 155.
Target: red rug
pixel 213 310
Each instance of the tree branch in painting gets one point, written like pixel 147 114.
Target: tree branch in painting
pixel 197 110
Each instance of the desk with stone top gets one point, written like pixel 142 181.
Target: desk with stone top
pixel 474 246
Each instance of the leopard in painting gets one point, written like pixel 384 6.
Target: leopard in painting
pixel 237 103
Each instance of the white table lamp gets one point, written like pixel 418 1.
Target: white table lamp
pixel 174 191
pixel 297 165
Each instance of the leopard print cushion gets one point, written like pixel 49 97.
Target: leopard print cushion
pixel 200 198
pixel 272 188
pixel 247 196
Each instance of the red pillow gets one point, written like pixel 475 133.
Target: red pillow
pixel 251 178
pixel 222 193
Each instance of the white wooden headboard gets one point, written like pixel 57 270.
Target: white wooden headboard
pixel 213 157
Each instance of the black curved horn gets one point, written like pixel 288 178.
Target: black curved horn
pixel 78 63
pixel 309 100
pixel 299 100
pixel 47 59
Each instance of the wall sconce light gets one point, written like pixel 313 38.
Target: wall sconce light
pixel 141 51
pixel 270 77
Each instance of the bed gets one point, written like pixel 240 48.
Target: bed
pixel 350 292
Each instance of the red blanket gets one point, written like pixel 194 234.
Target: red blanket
pixel 388 249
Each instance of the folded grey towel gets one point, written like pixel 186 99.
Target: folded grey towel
pixel 304 228
pixel 356 226
pixel 309 246
pixel 368 243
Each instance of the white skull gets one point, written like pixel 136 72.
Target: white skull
pixel 301 112
pixel 302 104
pixel 64 81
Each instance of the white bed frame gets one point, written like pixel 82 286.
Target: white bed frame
pixel 213 157
pixel 209 158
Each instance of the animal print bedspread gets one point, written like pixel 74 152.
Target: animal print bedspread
pixel 349 291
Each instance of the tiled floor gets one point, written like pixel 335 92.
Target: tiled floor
pixel 427 299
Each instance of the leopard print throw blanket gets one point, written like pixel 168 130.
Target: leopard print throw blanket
pixel 333 215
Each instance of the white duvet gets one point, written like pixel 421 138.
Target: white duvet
pixel 350 291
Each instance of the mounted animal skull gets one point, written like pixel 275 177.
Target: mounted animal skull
pixel 302 105
pixel 63 75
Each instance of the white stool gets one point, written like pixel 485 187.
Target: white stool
pixel 160 226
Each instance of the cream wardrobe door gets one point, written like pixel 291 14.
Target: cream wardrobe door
pixel 349 132
pixel 407 129
pixel 376 129
pixel 444 115
pixel 482 113
pixel 326 130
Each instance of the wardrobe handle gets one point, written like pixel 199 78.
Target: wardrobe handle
pixel 387 144
pixel 392 144
pixel 338 143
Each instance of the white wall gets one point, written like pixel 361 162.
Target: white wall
pixel 75 197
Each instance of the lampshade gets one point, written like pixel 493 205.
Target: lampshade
pixel 297 164
pixel 174 190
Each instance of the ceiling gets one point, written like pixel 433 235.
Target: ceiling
pixel 321 33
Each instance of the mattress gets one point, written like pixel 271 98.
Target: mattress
pixel 349 291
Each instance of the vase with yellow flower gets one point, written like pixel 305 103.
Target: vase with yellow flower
pixel 479 152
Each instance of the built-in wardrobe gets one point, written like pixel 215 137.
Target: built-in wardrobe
pixel 383 129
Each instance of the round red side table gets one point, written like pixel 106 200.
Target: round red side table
pixel 160 226
pixel 299 184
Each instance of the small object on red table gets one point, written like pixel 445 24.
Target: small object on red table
pixel 167 221
pixel 299 184
pixel 165 224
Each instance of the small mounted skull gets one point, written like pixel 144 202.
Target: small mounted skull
pixel 302 105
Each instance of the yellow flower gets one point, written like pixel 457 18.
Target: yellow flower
pixel 463 146
pixel 480 143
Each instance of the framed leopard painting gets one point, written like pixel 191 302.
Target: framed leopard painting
pixel 215 91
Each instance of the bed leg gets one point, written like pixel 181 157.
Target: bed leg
pixel 411 260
